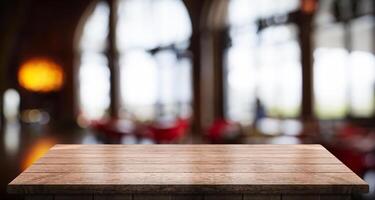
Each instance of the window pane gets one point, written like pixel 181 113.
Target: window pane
pixel 167 68
pixel 139 83
pixel 148 23
pixel 280 84
pixel 94 85
pixel 95 30
pixel 362 83
pixel 242 12
pixel 362 30
pixel 345 52
pixel 184 87
pixel 330 60
pixel 160 84
pixel 241 77
pixel 362 67
pixel 156 82
pixel 330 93
pixel 262 64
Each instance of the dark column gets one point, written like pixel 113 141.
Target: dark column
pixel 306 32
pixel 2 89
pixel 196 82
pixel 219 86
pixel 113 61
pixel 373 44
pixel 195 9
pixel 12 14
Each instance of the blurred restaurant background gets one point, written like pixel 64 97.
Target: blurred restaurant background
pixel 187 71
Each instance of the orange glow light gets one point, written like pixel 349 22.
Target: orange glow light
pixel 309 6
pixel 40 75
pixel 37 151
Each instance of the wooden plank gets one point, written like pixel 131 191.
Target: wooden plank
pixel 187 197
pixel 39 197
pixel 197 149
pixel 223 197
pixel 301 197
pixel 163 149
pixel 112 197
pixel 164 153
pixel 186 149
pixel 186 146
pixel 189 178
pixel 261 197
pixel 188 168
pixel 151 197
pixel 178 182
pixel 186 155
pixel 316 197
pixel 73 197
pixel 191 160
pixel 335 197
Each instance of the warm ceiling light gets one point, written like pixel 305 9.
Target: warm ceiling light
pixel 41 75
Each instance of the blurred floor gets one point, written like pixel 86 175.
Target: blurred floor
pixel 22 146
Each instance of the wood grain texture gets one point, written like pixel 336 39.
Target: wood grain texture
pixel 188 160
pixel 149 196
pixel 335 197
pixel 316 197
pixel 190 197
pixel 301 197
pixel 188 169
pixel 201 179
pixel 185 147
pixel 187 197
pixel 261 197
pixel 39 197
pixel 223 197
pixel 112 197
pixel 152 197
pixel 73 197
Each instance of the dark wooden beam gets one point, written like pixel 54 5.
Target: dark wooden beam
pixel 195 9
pixel 305 37
pixel 196 83
pixel 219 73
pixel 12 14
pixel 113 61
pixel 373 44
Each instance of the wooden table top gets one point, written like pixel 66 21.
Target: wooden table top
pixel 187 169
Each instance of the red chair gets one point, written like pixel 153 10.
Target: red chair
pixel 222 131
pixel 169 131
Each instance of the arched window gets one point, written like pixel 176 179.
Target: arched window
pixel 344 62
pixel 93 72
pixel 154 64
pixel 262 60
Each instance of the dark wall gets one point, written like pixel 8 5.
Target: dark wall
pixel 41 28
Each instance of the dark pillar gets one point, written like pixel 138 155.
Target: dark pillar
pixel 196 82
pixel 306 32
pixel 12 14
pixel 219 73
pixel 195 9
pixel 113 61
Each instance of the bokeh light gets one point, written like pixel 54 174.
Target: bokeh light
pixel 41 75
